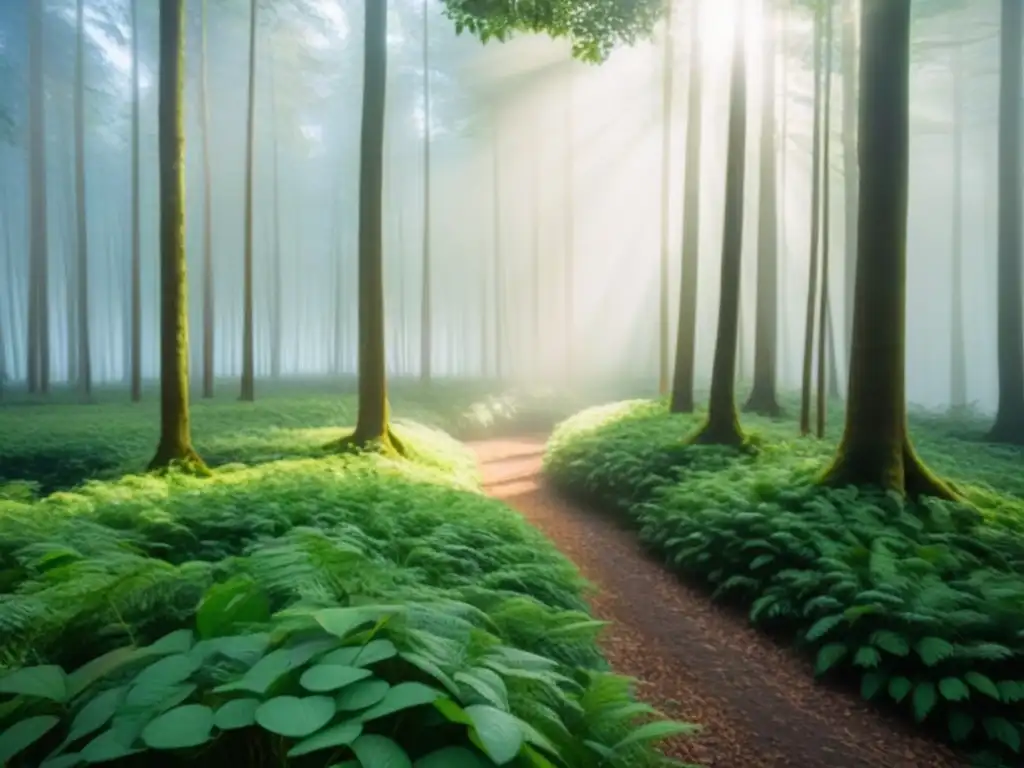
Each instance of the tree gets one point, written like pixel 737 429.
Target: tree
pixel 569 247
pixel 81 227
pixel 824 321
pixel 38 281
pixel 426 305
pixel 876 448
pixel 136 268
pixel 957 357
pixel 763 398
pixel 850 169
pixel 248 337
pixel 175 446
pixel 681 400
pixel 723 425
pixel 666 239
pixel 208 286
pixel 1009 422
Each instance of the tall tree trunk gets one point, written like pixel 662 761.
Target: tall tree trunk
pixel 723 424
pixel 851 170
pixel 426 303
pixel 681 400
pixel 81 222
pixel 136 258
pixel 783 37
pixel 175 444
pixel 876 449
pixel 957 356
pixel 763 398
pixel 826 346
pixel 248 342
pixel 208 285
pixel 569 267
pixel 372 423
pixel 812 277
pixel 39 280
pixel 499 272
pixel 275 289
pixel 535 357
pixel 1009 422
pixel 667 71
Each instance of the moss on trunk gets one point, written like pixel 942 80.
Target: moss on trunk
pixel 876 449
pixel 175 445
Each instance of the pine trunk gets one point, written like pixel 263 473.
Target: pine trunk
pixel 851 170
pixel 81 220
pixel 426 298
pixel 957 358
pixel 208 284
pixel 826 344
pixel 38 282
pixel 248 393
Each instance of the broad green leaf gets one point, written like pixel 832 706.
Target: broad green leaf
pixel 245 649
pixel 98 668
pixel 180 728
pixel 1002 730
pixel 24 734
pixel 453 757
pixel 226 607
pixel 341 621
pixel 166 672
pixel 829 656
pixel 45 682
pixel 871 683
pixel 68 760
pixel 953 689
pixel 960 725
pixel 656 731
pixel 157 698
pixel 932 650
pixel 107 747
pixel 339 735
pixel 264 673
pixel 361 695
pixel 499 732
pixel 331 677
pixel 487 684
pixel 380 752
pixel 982 683
pixel 239 713
pixel 867 656
pixel 295 717
pixel 179 641
pixel 925 698
pixel 399 697
pixel 362 655
pixel 452 711
pixel 890 642
pixel 96 713
pixel 899 687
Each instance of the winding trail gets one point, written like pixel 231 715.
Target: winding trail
pixel 757 702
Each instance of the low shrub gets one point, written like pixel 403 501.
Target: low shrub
pixel 922 604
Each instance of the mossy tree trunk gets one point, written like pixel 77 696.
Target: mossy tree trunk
pixel 876 449
pixel 38 347
pixel 957 356
pixel 372 424
pixel 208 287
pixel 763 397
pixel 175 430
pixel 1009 423
pixel 723 424
pixel 826 341
pixel 248 393
pixel 812 261
pixel 851 171
pixel 681 400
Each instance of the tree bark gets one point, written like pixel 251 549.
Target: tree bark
pixel 208 285
pixel 426 298
pixel 666 230
pixel 957 356
pixel 372 424
pixel 851 171
pixel 248 393
pixel 569 268
pixel 681 400
pixel 81 221
pixel 1009 422
pixel 723 425
pixel 499 276
pixel 136 267
pixel 276 334
pixel 826 345
pixel 763 398
pixel 876 449
pixel 38 301
pixel 812 276
pixel 175 446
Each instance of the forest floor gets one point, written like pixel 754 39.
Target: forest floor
pixel 757 702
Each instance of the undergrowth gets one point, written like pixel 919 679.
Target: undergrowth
pixel 920 605
pixel 344 610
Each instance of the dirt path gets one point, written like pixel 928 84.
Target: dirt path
pixel 758 703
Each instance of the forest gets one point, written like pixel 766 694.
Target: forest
pixel 526 383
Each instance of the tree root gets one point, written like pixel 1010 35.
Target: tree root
pixel 178 458
pixel 388 444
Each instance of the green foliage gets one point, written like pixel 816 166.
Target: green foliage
pixel 594 27
pixel 920 605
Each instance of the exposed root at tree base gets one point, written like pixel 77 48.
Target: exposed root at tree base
pixel 911 477
pixel 763 404
pixel 178 459
pixel 388 444
pixel 725 434
pixel 1009 431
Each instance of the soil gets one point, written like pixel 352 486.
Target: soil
pixel 757 702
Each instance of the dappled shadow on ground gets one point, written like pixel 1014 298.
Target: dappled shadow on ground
pixel 758 702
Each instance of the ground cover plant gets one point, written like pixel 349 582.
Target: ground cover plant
pixel 352 610
pixel 919 604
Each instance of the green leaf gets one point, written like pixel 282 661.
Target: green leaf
pixel 822 627
pixel 24 734
pixel 399 697
pixel 1002 730
pixel 499 732
pixel 656 731
pixel 179 641
pixel 180 728
pixel 361 695
pixel 890 642
pixel 341 621
pixel 98 668
pixel 953 689
pixel 1010 691
pixel 245 649
pixel 330 677
pixel 339 735
pixel 225 607
pixel 96 713
pixel 264 673
pixel 45 682
pixel 899 687
pixel 68 760
pixel 166 672
pixel 925 697
pixel 159 698
pixel 487 683
pixel 960 725
pixel 380 752
pixel 295 717
pixel 453 757
pixel 108 746
pixel 452 712
pixel 871 683
pixel 362 655
pixel 238 713
pixel 829 656
pixel 867 656
pixel 983 684
pixel 932 650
